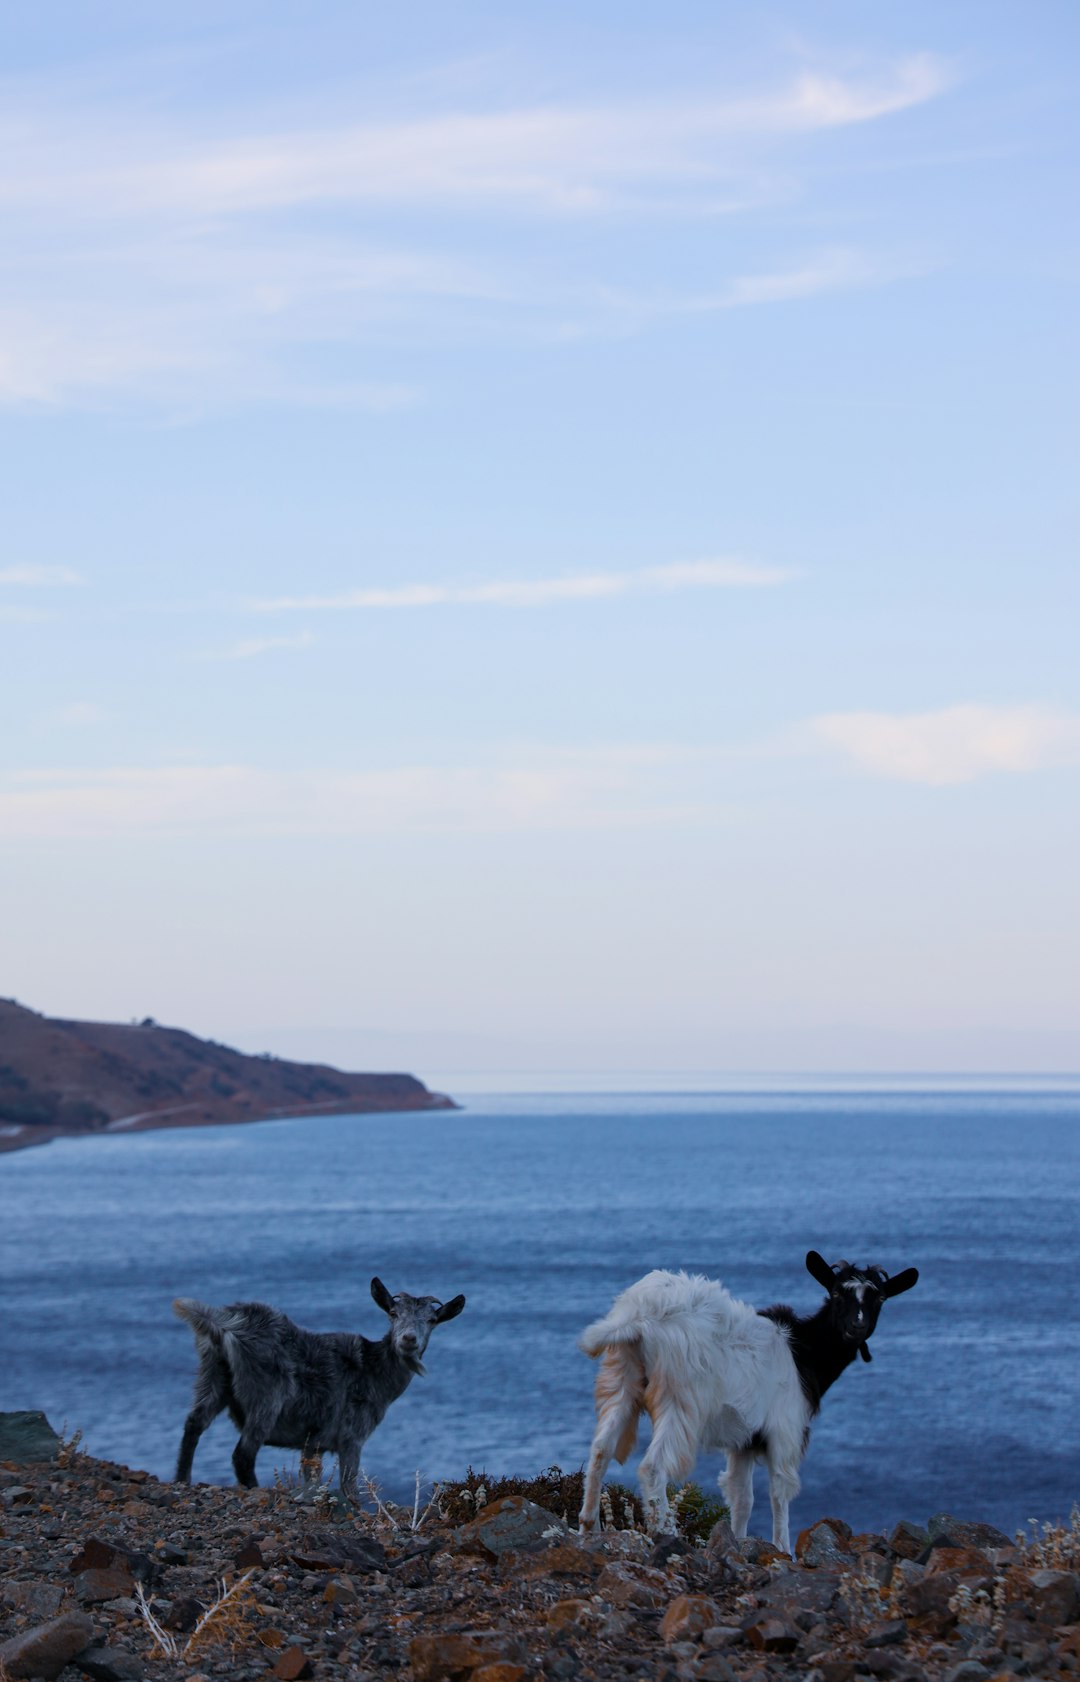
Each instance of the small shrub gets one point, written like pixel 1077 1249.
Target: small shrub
pixel 558 1491
pixel 695 1512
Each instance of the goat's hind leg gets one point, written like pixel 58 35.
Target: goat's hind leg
pixel 620 1397
pixel 669 1458
pixel 211 1398
pixel 737 1484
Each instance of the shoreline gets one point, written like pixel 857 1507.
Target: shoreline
pixel 30 1136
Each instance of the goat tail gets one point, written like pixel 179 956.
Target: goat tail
pixel 609 1333
pixel 205 1322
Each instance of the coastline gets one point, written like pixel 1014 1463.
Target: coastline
pixel 236 1113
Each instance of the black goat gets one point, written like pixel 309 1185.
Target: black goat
pixel 320 1392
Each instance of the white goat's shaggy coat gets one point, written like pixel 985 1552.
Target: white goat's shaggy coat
pixel 712 1373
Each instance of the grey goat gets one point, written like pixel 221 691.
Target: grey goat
pixel 320 1392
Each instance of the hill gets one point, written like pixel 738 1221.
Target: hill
pixel 63 1077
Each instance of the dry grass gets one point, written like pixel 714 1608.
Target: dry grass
pixel 1054 1547
pixel 224 1623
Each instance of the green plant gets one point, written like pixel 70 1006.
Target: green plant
pixel 695 1512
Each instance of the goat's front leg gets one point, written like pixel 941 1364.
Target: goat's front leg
pixel 348 1466
pixel 783 1488
pixel 737 1484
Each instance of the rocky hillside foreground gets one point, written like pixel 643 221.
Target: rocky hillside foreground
pixel 107 1573
pixel 59 1077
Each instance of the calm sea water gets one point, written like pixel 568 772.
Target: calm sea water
pixel 540 1210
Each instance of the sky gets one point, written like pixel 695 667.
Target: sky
pixel 539 543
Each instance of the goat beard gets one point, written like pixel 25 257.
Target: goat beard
pixel 415 1365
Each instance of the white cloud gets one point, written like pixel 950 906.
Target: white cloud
pixel 543 592
pixel 39 577
pixel 601 788
pixel 561 158
pixel 252 647
pixel 955 745
pixel 181 263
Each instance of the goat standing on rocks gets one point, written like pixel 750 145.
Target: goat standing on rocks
pixel 320 1392
pixel 713 1372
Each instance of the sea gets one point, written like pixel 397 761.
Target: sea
pixel 541 1208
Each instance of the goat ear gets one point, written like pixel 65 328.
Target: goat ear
pixel 382 1296
pixel 820 1270
pixel 902 1282
pixel 450 1310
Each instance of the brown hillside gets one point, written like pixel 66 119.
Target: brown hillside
pixel 63 1076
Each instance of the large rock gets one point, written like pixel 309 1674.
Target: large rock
pixel 26 1438
pixel 828 1542
pixel 329 1550
pixel 38 1600
pixel 436 1657
pixel 512 1524
pixel 45 1651
pixel 689 1616
pixel 1055 1596
pixel 966 1533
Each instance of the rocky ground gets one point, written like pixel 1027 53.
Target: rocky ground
pixel 107 1573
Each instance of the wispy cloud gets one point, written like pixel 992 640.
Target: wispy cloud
pixel 206 260
pixel 725 574
pixel 252 647
pixel 39 577
pixel 600 788
pixel 956 744
pixel 557 158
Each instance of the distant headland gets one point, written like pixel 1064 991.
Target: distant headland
pixel 60 1078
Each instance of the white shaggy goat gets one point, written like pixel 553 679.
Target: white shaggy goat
pixel 712 1372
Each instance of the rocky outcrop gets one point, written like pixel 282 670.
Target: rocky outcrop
pixel 106 1573
pixel 60 1077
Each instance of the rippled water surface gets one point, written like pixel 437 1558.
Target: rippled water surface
pixel 540 1210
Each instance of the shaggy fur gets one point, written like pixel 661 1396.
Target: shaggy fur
pixel 320 1392
pixel 714 1373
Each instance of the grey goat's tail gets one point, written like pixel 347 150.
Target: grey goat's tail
pixel 205 1322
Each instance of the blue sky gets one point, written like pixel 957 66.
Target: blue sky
pixel 543 540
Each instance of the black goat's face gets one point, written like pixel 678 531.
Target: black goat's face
pixel 412 1320
pixel 856 1295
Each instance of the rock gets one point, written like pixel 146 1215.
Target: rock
pixel 1055 1596
pixel 568 1614
pixel 967 1533
pixel 969 1671
pixel 292 1665
pixel 800 1591
pixel 909 1540
pixel 96 1554
pixel 332 1551
pixel 723 1635
pixel 721 1540
pixel 968 1561
pixel 888 1634
pixel 501 1671
pixel 668 1548
pixel 715 1668
pixel 510 1525
pixel 108 1582
pixel 825 1543
pixel 109 1664
pixel 837 1670
pixel 26 1438
pixel 45 1651
pixel 753 1550
pixel 435 1657
pixel 38 1600
pixel 565 1559
pixel 249 1557
pixel 772 1635
pixel 633 1585
pixel 688 1616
